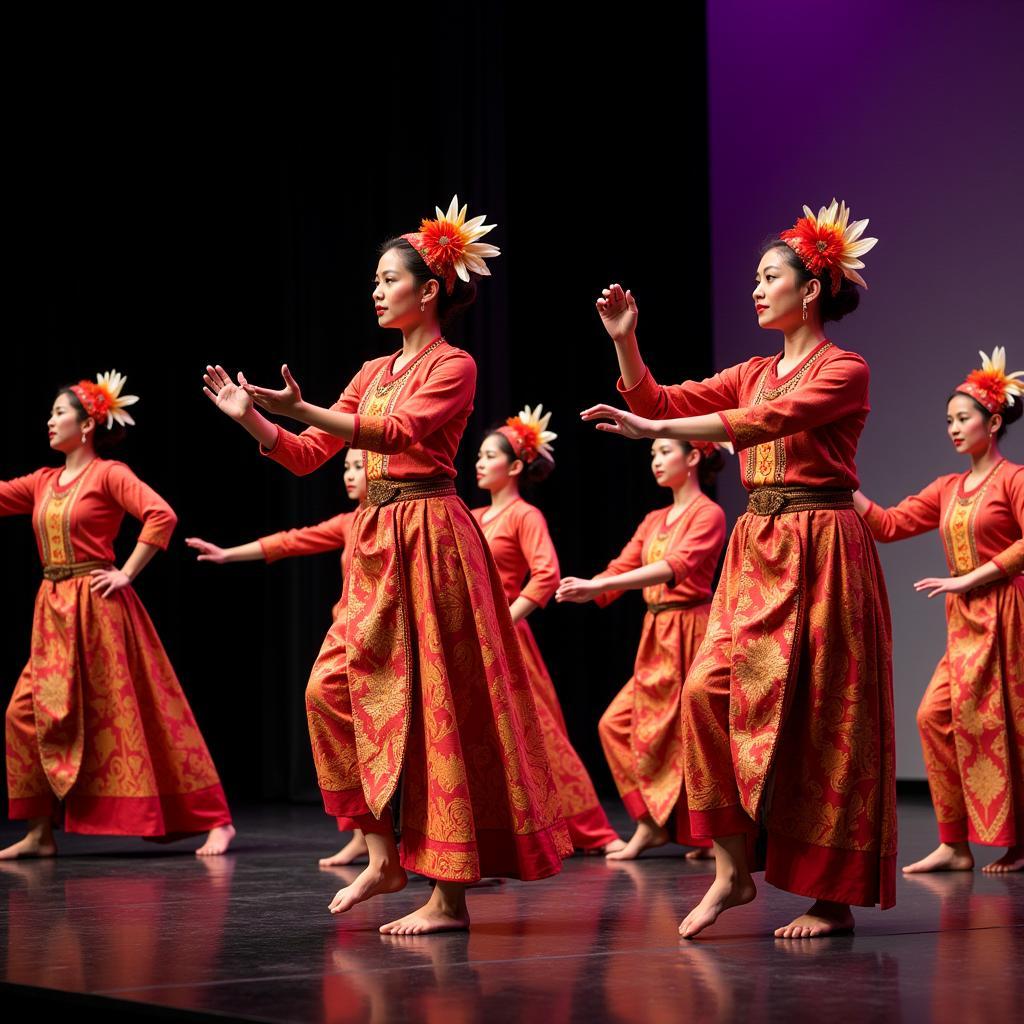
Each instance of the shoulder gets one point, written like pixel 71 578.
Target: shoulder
pixel 852 364
pixel 653 517
pixel 114 469
pixel 525 513
pixel 478 513
pixel 1014 475
pixel 709 511
pixel 454 361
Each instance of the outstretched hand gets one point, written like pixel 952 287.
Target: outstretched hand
pixel 936 585
pixel 618 312
pixel 626 424
pixel 207 552
pixel 231 398
pixel 576 590
pixel 284 401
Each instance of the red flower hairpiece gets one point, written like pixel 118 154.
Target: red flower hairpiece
pixel 103 400
pixel 992 386
pixel 827 242
pixel 449 245
pixel 528 434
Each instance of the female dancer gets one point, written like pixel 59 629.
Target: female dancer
pixel 322 703
pixel 98 719
pixel 672 557
pixel 787 709
pixel 517 534
pixel 427 655
pixel 971 717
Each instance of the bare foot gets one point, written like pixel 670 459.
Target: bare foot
pixel 945 857
pixel 602 851
pixel 217 842
pixel 701 853
pixel 445 911
pixel 647 836
pixel 33 845
pixel 373 880
pixel 824 918
pixel 355 849
pixel 723 894
pixel 1012 860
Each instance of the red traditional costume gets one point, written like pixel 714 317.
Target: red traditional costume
pixel 787 709
pixel 641 731
pixel 971 717
pixel 521 545
pixel 98 718
pixel 425 658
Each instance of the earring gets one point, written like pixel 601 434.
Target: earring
pixel 84 438
pixel 805 309
pixel 423 306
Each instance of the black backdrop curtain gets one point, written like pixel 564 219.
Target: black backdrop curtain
pixel 181 208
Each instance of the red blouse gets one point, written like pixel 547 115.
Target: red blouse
pixel 409 423
pixel 801 428
pixel 79 521
pixel 980 525
pixel 521 545
pixel 691 545
pixel 329 535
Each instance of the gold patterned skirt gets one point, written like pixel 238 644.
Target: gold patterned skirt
pixel 98 720
pixel 425 683
pixel 971 718
pixel 788 710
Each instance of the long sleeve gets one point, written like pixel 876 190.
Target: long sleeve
pixel 141 501
pixel 539 552
pixel 1011 558
pixel 839 389
pixel 17 496
pixel 305 452
pixel 630 557
pixel 447 391
pixel 691 398
pixel 703 539
pixel 917 514
pixel 330 535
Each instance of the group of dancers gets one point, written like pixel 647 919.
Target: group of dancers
pixel 757 727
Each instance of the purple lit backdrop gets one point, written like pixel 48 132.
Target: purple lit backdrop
pixel 911 112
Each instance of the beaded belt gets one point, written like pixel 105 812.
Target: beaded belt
pixel 56 573
pixel 774 501
pixel 383 492
pixel 671 606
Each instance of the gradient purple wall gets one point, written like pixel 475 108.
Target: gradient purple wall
pixel 912 112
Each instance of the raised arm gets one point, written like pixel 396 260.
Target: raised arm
pixel 17 496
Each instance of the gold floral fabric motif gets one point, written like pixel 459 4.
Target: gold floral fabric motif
pixel 440 698
pixel 797 659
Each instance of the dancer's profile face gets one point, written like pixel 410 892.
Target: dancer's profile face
pixel 669 463
pixel 396 295
pixel 355 476
pixel 778 297
pixel 493 466
pixel 969 430
pixel 64 427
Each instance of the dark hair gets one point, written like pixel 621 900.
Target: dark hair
pixel 448 306
pixel 709 466
pixel 1010 413
pixel 533 472
pixel 102 438
pixel 832 307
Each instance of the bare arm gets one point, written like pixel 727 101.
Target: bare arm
pixel 627 424
pixel 106 581
pixel 618 312
pixel 251 552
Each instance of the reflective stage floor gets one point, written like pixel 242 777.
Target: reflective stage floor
pixel 138 930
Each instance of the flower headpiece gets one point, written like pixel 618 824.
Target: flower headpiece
pixel 706 448
pixel 449 244
pixel 103 400
pixel 528 434
pixel 992 386
pixel 827 242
